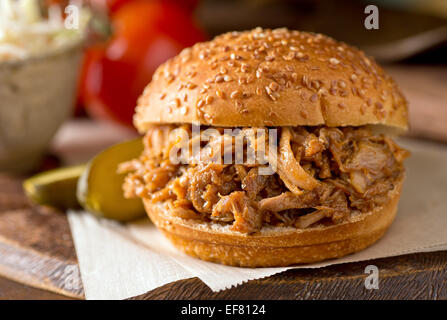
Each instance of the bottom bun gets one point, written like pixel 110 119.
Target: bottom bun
pixel 275 246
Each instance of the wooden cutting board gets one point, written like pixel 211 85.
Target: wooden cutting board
pixel 36 250
pixel 36 247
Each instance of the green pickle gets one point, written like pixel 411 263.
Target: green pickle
pixel 55 188
pixel 99 188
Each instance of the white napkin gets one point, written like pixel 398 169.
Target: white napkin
pixel 120 261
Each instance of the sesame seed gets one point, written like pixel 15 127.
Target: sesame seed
pixel 220 94
pixel 315 84
pixel 274 86
pixel 234 56
pixel 258 91
pixel 294 76
pixel 162 96
pixel 219 79
pixel 175 103
pixel 242 80
pixel 170 78
pixel 183 110
pixel 274 96
pixel 305 81
pixel 200 103
pixel 227 78
pixel 322 91
pixel 302 58
pixel 191 74
pixel 289 56
pixel 342 84
pixel 209 99
pixel 334 61
pixel 234 94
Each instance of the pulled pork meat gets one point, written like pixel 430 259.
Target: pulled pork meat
pixel 323 175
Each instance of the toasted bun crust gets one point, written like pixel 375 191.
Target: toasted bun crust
pixel 275 246
pixel 271 78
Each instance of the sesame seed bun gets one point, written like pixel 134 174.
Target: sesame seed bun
pixel 271 78
pixel 275 246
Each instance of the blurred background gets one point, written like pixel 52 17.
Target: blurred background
pixel 123 42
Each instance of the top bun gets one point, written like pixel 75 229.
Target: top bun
pixel 271 78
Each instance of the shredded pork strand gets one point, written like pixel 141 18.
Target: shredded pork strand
pixel 323 175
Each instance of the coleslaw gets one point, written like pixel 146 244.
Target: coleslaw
pixel 26 30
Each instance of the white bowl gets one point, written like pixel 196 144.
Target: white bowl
pixel 36 96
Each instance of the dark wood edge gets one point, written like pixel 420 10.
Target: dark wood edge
pixel 39 271
pixel 414 276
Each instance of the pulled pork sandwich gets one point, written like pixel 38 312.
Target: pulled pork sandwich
pixel 337 174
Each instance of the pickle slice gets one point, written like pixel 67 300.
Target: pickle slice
pixel 100 186
pixel 55 188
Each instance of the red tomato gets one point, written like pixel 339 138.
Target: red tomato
pixel 108 5
pixel 189 5
pixel 114 5
pixel 146 34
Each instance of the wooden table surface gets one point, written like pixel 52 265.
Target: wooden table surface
pixel 41 237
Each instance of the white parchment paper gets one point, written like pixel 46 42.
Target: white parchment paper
pixel 120 261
